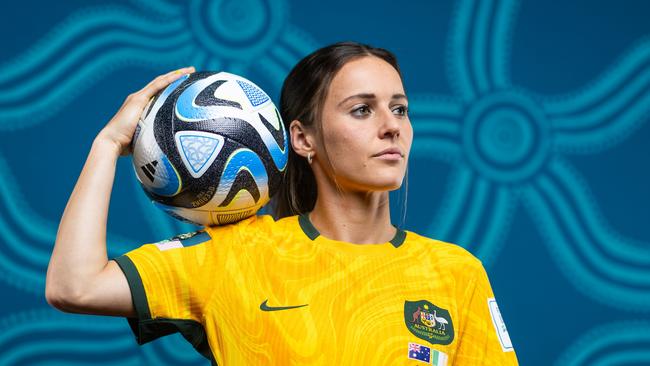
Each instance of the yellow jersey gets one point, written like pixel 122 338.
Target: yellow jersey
pixel 266 292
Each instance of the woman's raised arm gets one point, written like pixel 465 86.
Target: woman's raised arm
pixel 80 278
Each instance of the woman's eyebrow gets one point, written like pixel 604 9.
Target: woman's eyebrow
pixel 360 96
pixel 399 96
pixel 370 96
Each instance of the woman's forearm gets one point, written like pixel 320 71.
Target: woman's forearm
pixel 80 249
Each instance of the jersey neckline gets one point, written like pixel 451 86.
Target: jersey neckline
pixel 312 233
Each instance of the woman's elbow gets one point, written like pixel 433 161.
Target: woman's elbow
pixel 61 297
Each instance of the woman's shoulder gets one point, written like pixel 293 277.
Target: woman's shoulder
pixel 252 227
pixel 442 251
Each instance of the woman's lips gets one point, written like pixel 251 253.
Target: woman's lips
pixel 390 156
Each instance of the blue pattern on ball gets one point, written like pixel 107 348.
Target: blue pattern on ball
pixel 198 150
pixel 254 94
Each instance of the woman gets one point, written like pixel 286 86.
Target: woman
pixel 332 281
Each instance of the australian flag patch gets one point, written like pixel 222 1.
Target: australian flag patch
pixel 419 352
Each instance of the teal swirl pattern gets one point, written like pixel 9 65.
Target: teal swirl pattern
pixel 619 343
pixel 605 112
pixel 48 337
pixel 225 35
pixel 76 54
pixel 508 145
pixel 28 238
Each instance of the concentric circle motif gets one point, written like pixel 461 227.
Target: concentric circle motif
pixel 506 137
pixel 239 29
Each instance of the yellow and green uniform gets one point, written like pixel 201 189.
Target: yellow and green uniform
pixel 263 292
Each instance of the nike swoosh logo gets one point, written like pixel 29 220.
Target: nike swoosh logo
pixel 265 307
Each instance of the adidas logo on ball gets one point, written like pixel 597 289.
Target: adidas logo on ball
pixel 149 169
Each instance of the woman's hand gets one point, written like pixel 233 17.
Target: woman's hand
pixel 120 129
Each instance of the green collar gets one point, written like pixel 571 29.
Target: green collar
pixel 311 232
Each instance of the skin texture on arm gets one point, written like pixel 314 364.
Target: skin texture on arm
pixel 80 278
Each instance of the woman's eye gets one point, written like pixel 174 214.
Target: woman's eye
pixel 401 110
pixel 361 111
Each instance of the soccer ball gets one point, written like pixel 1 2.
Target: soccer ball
pixel 210 148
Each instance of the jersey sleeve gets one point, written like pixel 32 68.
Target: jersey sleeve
pixel 484 338
pixel 168 288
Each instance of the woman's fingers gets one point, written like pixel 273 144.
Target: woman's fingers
pixel 142 96
pixel 161 82
pixel 122 126
pixel 135 103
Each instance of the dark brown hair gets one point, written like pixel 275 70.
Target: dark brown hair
pixel 302 98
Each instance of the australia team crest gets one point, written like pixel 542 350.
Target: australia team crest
pixel 428 322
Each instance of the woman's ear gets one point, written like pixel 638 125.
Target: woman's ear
pixel 302 140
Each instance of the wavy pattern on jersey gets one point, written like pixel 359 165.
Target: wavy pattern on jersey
pixel 28 238
pixel 345 292
pixel 51 337
pixel 614 343
pixel 505 143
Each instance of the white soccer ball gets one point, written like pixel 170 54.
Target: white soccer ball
pixel 210 148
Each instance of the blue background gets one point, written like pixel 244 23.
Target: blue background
pixel 531 150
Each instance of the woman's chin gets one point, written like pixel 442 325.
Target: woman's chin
pixel 384 185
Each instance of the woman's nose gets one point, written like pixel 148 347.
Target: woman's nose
pixel 390 127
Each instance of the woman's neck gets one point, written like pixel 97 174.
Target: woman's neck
pixel 354 217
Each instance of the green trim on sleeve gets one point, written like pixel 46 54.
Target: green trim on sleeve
pixel 191 330
pixel 147 329
pixel 137 288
